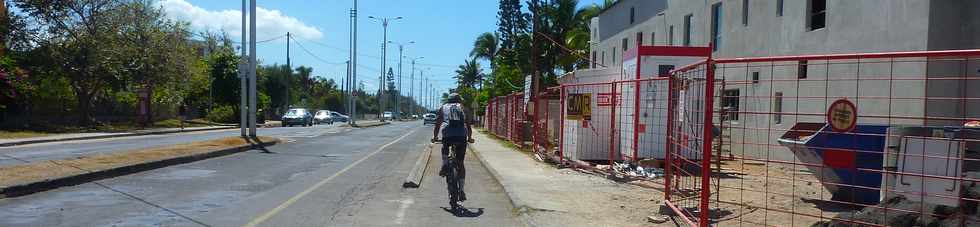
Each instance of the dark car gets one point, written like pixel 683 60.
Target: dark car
pixel 297 116
pixel 337 117
pixel 428 118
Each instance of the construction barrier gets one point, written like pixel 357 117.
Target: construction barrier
pixel 878 139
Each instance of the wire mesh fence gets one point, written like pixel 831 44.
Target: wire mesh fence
pixel 879 139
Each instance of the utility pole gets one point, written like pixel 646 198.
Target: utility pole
pixel 353 66
pixel 384 55
pixel 346 89
pixel 381 80
pixel 243 76
pixel 251 71
pixel 398 96
pixel 289 65
pixel 411 86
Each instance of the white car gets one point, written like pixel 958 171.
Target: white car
pixel 387 115
pixel 323 116
pixel 428 118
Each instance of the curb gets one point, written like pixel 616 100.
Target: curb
pixel 373 124
pixel 414 178
pixel 49 184
pixel 11 144
pixel 519 205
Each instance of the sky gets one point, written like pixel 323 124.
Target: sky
pixel 443 32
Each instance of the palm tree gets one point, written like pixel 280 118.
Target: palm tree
pixel 469 74
pixel 486 46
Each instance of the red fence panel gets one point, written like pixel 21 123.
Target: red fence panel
pixel 848 140
pixel 828 140
pixel 689 143
pixel 587 122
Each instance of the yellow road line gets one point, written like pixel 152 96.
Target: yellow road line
pixel 262 218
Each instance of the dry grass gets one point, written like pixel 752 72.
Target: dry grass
pixel 43 170
pixel 20 134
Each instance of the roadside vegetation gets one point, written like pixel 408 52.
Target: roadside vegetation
pixel 562 39
pixel 108 65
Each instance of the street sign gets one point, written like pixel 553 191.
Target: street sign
pixel 579 107
pixel 842 116
pixel 527 90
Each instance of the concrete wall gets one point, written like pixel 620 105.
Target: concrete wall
pixel 617 17
pixel 955 83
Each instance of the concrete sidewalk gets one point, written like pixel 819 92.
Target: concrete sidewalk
pixel 102 135
pixel 546 196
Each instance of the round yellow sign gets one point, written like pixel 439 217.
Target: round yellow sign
pixel 842 116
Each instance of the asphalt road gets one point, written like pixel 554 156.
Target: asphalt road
pixel 71 149
pixel 318 177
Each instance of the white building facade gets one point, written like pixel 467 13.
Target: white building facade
pixel 763 28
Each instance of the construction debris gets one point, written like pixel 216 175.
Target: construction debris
pixel 638 171
pixel 657 219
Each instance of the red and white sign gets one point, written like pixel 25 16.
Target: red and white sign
pixel 842 115
pixel 606 99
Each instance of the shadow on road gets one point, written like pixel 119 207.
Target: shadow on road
pixel 464 212
pixel 257 144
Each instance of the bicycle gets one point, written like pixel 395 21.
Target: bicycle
pixel 454 180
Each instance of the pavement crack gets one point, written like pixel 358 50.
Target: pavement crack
pixel 147 202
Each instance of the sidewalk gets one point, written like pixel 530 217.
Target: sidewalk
pixel 101 135
pixel 546 196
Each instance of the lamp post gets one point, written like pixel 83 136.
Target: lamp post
pixel 422 75
pixel 384 54
pixel 411 87
pixel 398 97
pixel 352 66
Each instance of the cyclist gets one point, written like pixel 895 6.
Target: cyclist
pixel 453 120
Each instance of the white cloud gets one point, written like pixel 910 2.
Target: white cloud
pixel 270 23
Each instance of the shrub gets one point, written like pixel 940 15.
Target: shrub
pixel 223 114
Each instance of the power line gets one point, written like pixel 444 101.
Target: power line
pixel 314 55
pixel 372 56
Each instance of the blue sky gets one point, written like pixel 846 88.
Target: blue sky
pixel 443 30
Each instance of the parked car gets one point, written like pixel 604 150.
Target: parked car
pixel 337 117
pixel 323 116
pixel 428 118
pixel 415 116
pixel 387 115
pixel 297 116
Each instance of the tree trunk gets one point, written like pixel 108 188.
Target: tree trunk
pixel 84 107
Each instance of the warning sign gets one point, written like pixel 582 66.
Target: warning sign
pixel 606 99
pixel 842 116
pixel 579 107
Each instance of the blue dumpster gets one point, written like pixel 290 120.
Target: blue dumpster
pixel 845 163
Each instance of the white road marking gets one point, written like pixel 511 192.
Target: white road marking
pixel 400 215
pixel 262 218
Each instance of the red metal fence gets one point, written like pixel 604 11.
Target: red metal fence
pixel 826 140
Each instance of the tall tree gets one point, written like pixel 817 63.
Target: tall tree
pixel 469 74
pixel 485 47
pixel 80 41
pixel 511 22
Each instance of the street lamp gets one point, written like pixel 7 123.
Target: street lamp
pixel 411 87
pixel 398 97
pixel 384 54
